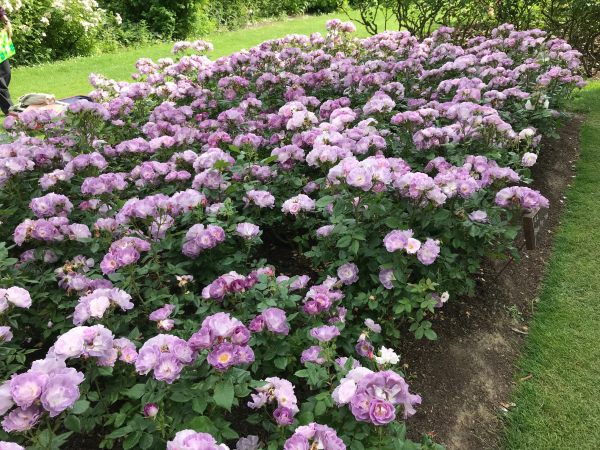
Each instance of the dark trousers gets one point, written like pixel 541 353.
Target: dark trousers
pixel 5 101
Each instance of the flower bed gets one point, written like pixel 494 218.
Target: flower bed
pixel 234 247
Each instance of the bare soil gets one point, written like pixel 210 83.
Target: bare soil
pixel 468 374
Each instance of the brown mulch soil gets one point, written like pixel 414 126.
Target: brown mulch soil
pixel 467 376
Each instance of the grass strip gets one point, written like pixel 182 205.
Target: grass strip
pixel 70 77
pixel 559 407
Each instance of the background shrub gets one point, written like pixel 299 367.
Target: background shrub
pixel 322 6
pixel 238 13
pixel 47 30
pixel 166 18
pixel 577 21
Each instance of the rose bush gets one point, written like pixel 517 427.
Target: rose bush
pixel 233 247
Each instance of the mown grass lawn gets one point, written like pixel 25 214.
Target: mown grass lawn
pixel 70 77
pixel 559 407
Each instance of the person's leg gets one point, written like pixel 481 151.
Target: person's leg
pixel 5 100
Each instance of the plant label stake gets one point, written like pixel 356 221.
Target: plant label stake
pixel 533 223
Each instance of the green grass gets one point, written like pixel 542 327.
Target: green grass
pixel 559 408
pixel 70 77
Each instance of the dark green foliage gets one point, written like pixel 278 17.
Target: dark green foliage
pixel 578 22
pixel 233 14
pixel 322 6
pixel 166 18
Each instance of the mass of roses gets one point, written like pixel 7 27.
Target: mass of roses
pixel 193 254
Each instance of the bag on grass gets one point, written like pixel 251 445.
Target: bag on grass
pixel 33 99
pixel 7 49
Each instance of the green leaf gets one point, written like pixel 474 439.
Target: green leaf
pixel 199 404
pixel 45 437
pixel 324 201
pixel 136 391
pixel 72 423
pixel 357 445
pixel 223 394
pixel 320 408
pixel 119 419
pixel 281 362
pixel 228 433
pixel 344 241
pixel 393 222
pixel 181 396
pixel 115 276
pixel 80 407
pixel 120 432
pixel 306 417
pixel 419 333
pixel 430 334
pixel 202 424
pixel 60 440
pixel 105 371
pixel 146 441
pixel 132 440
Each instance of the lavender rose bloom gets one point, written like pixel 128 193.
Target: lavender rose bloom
pixel 386 276
pixel 428 252
pixel 18 297
pixel 248 443
pixel 27 387
pixel 372 325
pixel 478 216
pixel 397 240
pixel 325 333
pixel 297 442
pixel 191 440
pixel 381 412
pixel 240 335
pixel 223 356
pixel 62 391
pixel 20 419
pixel 161 313
pixel 6 401
pixel 247 230
pixel 275 321
pixel 5 334
pixel 325 230
pixel 257 324
pixel 10 445
pixel 167 369
pixel 312 354
pixel 348 273
pixel 283 416
pixel 364 348
pixel 321 436
pixel 245 355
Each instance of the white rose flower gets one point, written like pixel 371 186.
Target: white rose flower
pixel 387 356
pixel 529 159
